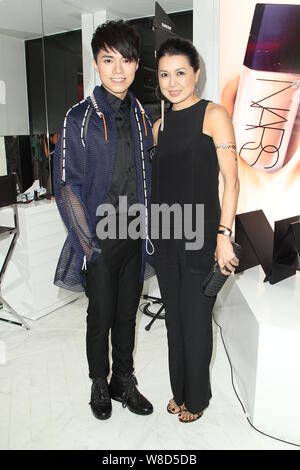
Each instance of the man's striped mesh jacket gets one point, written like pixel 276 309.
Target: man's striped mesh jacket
pixel 82 174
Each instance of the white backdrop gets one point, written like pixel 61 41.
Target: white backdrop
pixel 278 193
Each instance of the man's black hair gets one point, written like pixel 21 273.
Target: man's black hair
pixel 117 35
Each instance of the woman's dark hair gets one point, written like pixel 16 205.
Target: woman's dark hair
pixel 117 35
pixel 179 46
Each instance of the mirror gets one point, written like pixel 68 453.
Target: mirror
pixel 41 77
pixel 19 21
pixel 63 71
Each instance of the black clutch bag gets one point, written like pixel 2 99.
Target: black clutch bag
pixel 215 278
pixel 151 153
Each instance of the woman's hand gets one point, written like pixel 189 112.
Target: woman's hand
pixel 225 255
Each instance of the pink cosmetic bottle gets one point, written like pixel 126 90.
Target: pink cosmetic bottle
pixel 269 89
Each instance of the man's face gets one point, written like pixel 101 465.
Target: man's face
pixel 116 73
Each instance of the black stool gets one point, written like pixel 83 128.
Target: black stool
pixel 160 314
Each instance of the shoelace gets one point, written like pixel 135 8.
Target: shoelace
pixel 101 393
pixel 130 387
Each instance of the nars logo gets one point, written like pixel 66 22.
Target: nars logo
pixel 269 129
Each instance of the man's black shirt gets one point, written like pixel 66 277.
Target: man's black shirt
pixel 124 180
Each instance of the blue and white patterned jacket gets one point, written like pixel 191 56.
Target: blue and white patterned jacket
pixel 82 175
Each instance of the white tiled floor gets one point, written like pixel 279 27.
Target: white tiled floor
pixel 45 390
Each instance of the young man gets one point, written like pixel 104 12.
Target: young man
pixel 101 155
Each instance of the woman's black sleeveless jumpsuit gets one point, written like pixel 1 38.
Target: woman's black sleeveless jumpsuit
pixel 186 171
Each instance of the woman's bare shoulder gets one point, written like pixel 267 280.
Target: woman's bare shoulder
pixel 156 124
pixel 216 111
pixel 155 129
pixel 216 118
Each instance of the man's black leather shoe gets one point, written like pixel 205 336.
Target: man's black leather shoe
pixel 123 388
pixel 100 399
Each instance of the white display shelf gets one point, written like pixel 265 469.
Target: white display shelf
pixel 28 282
pixel 261 329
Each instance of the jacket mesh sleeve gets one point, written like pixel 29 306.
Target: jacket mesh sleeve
pixel 69 169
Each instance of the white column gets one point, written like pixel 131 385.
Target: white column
pixel 206 40
pixel 89 23
pixel 2 92
pixel 14 118
pixel 2 353
pixel 3 167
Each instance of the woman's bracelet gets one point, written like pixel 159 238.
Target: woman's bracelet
pixel 220 225
pixel 225 232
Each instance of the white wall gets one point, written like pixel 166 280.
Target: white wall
pixel 206 41
pixel 89 23
pixel 14 113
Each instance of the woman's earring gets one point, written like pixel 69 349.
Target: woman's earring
pixel 162 107
pixel 197 88
pixel 161 97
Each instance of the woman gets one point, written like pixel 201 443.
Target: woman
pixel 195 139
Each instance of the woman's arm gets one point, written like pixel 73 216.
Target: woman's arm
pixel 221 130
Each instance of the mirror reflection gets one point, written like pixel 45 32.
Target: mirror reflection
pixel 41 77
pixel 19 21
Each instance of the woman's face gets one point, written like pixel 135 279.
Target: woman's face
pixel 177 78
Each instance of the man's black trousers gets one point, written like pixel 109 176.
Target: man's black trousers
pixel 114 290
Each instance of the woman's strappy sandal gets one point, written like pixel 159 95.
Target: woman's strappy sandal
pixel 173 408
pixel 186 416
